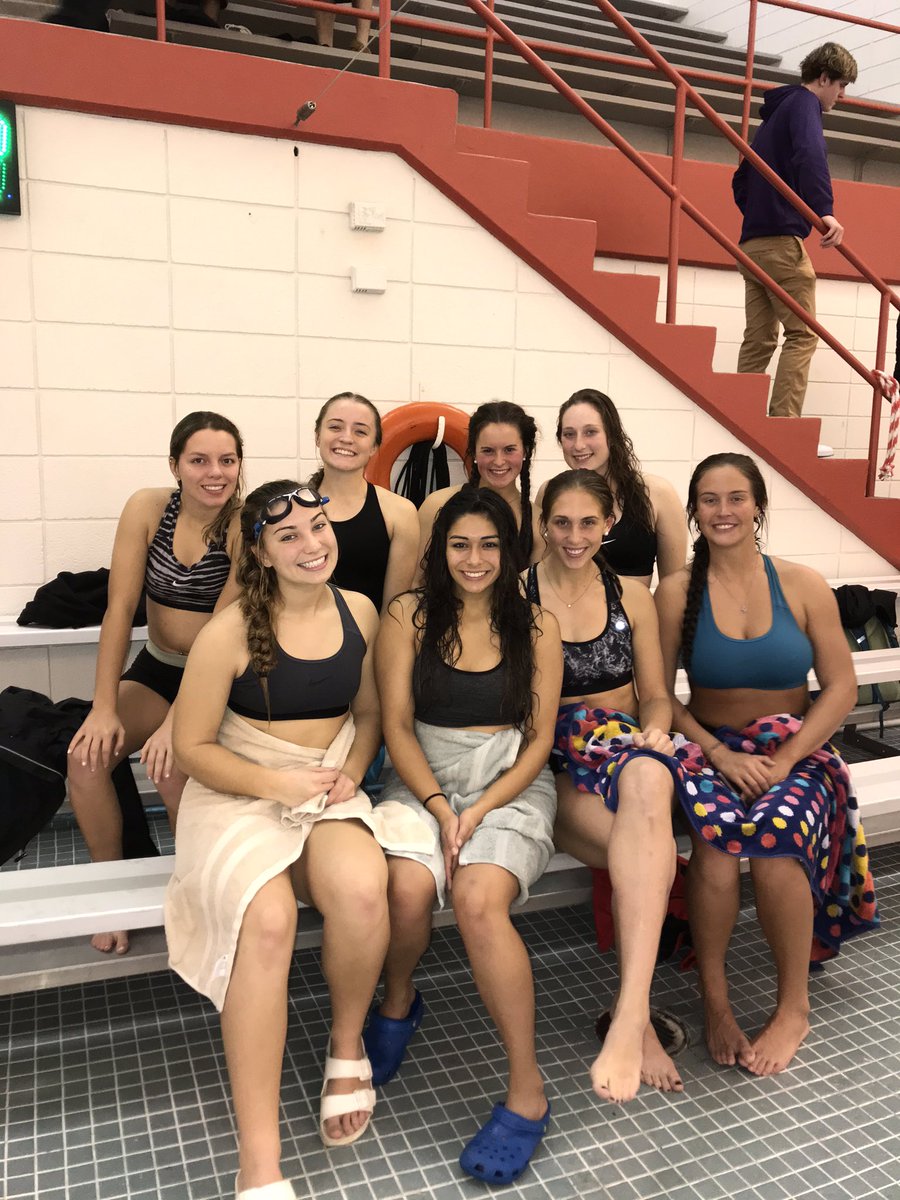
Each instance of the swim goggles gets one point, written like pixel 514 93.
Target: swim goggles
pixel 278 507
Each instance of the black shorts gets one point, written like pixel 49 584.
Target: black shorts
pixel 159 677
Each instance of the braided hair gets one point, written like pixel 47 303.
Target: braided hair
pixel 260 596
pixel 503 412
pixel 315 480
pixel 700 562
pixel 623 470
pixel 437 611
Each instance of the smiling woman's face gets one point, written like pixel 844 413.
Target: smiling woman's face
pixel 346 438
pixel 473 554
pixel 301 548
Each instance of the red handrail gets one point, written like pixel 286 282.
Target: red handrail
pixel 470 33
pixel 527 48
pixel 848 18
pixel 679 202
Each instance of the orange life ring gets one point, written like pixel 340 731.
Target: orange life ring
pixel 408 424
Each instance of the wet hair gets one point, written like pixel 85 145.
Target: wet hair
pixel 579 480
pixel 582 480
pixel 260 594
pixel 193 423
pixel 624 470
pixel 831 60
pixel 503 412
pixel 438 608
pixel 700 562
pixel 315 480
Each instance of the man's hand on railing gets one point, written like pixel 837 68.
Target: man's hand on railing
pixel 835 233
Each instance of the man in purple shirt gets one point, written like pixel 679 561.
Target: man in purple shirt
pixel 791 141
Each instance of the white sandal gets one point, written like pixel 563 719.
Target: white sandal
pixel 360 1100
pixel 282 1190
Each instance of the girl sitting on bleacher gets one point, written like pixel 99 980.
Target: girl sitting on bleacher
pixel 761 780
pixel 611 739
pixel 469 675
pixel 648 532
pixel 377 531
pixel 276 722
pixel 179 547
pixel 499 455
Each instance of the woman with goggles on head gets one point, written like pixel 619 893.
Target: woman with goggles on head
pixel 179 547
pixel 277 720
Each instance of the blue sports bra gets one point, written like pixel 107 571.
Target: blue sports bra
pixel 305 689
pixel 776 661
pixel 169 582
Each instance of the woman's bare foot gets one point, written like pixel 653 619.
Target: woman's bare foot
pixel 616 1071
pixel 778 1040
pixel 657 1068
pixel 108 942
pixel 725 1040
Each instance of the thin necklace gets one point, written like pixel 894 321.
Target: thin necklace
pixel 580 595
pixel 741 606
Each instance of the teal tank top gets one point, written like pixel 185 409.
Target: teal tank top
pixel 777 661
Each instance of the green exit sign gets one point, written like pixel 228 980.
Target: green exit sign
pixel 10 201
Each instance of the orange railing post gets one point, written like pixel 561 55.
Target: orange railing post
pixel 877 397
pixel 160 20
pixel 489 72
pixel 384 38
pixel 675 208
pixel 748 74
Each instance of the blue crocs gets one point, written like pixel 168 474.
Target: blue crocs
pixel 386 1039
pixel 502 1149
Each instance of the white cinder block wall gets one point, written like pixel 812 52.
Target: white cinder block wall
pixel 156 270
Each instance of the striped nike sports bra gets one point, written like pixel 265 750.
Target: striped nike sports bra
pixel 169 582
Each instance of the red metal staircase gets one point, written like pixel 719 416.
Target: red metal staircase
pixel 51 66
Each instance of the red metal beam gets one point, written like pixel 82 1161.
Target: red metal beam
pixel 470 33
pixel 833 15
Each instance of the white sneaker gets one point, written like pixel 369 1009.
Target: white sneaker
pixel 824 450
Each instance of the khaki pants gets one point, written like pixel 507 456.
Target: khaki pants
pixel 786 260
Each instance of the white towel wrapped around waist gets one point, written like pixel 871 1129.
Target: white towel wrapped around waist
pixel 228 846
pixel 517 836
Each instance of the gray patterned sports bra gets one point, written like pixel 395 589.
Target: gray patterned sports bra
pixel 604 663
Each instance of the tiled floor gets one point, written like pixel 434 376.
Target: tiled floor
pixel 118 1090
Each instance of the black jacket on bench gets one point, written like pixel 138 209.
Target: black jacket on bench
pixel 34 737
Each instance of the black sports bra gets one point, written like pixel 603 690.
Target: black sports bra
pixel 604 663
pixel 630 548
pixel 305 689
pixel 363 550
pixel 459 699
